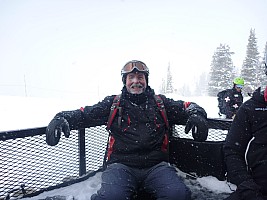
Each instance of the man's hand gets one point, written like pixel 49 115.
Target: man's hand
pixel 199 127
pixel 197 122
pixel 54 129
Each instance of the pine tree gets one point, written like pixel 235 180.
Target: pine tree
pixel 185 90
pixel 261 75
pixel 251 66
pixel 201 85
pixel 162 89
pixel 169 86
pixel 222 70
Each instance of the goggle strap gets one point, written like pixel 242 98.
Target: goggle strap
pixel 130 66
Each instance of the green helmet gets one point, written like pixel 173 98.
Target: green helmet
pixel 239 81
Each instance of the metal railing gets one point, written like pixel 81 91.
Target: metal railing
pixel 29 166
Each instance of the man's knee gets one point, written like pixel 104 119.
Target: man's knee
pixel 179 193
pixel 165 183
pixel 117 183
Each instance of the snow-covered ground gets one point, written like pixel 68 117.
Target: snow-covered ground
pixel 29 112
pixel 202 189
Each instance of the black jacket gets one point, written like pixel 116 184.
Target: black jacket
pixel 142 139
pixel 247 142
pixel 232 100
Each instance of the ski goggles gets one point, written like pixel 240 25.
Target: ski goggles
pixel 134 64
pixel 239 86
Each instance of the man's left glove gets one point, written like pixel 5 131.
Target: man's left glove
pixel 54 129
pixel 198 125
pixel 197 122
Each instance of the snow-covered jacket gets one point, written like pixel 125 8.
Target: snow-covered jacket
pixel 142 138
pixel 246 143
pixel 232 100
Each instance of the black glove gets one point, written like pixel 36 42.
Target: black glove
pixel 54 129
pixel 199 127
pixel 249 190
pixel 197 122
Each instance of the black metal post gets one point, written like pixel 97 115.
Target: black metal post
pixel 81 135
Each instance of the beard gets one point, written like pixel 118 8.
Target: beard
pixel 136 88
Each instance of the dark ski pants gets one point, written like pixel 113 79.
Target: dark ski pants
pixel 120 182
pixel 235 196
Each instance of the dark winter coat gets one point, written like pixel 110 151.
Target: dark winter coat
pixel 246 143
pixel 232 100
pixel 142 139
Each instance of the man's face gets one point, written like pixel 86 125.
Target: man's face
pixel 238 88
pixel 136 82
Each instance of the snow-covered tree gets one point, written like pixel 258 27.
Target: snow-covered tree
pixel 222 71
pixel 251 66
pixel 201 85
pixel 162 89
pixel 185 90
pixel 169 84
pixel 262 77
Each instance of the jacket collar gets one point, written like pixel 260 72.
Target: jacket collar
pixel 137 98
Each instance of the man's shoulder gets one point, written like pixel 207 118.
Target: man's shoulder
pixel 160 95
pixel 165 99
pixel 223 92
pixel 112 96
pixel 231 91
pixel 108 100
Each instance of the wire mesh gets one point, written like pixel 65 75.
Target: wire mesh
pixel 31 162
pixel 213 135
pixel 96 144
pixel 28 163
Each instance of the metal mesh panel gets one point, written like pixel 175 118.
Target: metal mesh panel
pixel 213 135
pixel 96 144
pixel 30 161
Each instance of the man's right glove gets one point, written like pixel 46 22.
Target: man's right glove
pixel 249 190
pixel 54 129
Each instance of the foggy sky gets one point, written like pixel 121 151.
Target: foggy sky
pixel 59 48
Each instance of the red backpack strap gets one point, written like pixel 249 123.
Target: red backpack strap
pixel 113 110
pixel 162 109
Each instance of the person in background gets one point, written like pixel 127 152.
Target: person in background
pixel 245 148
pixel 137 154
pixel 231 99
